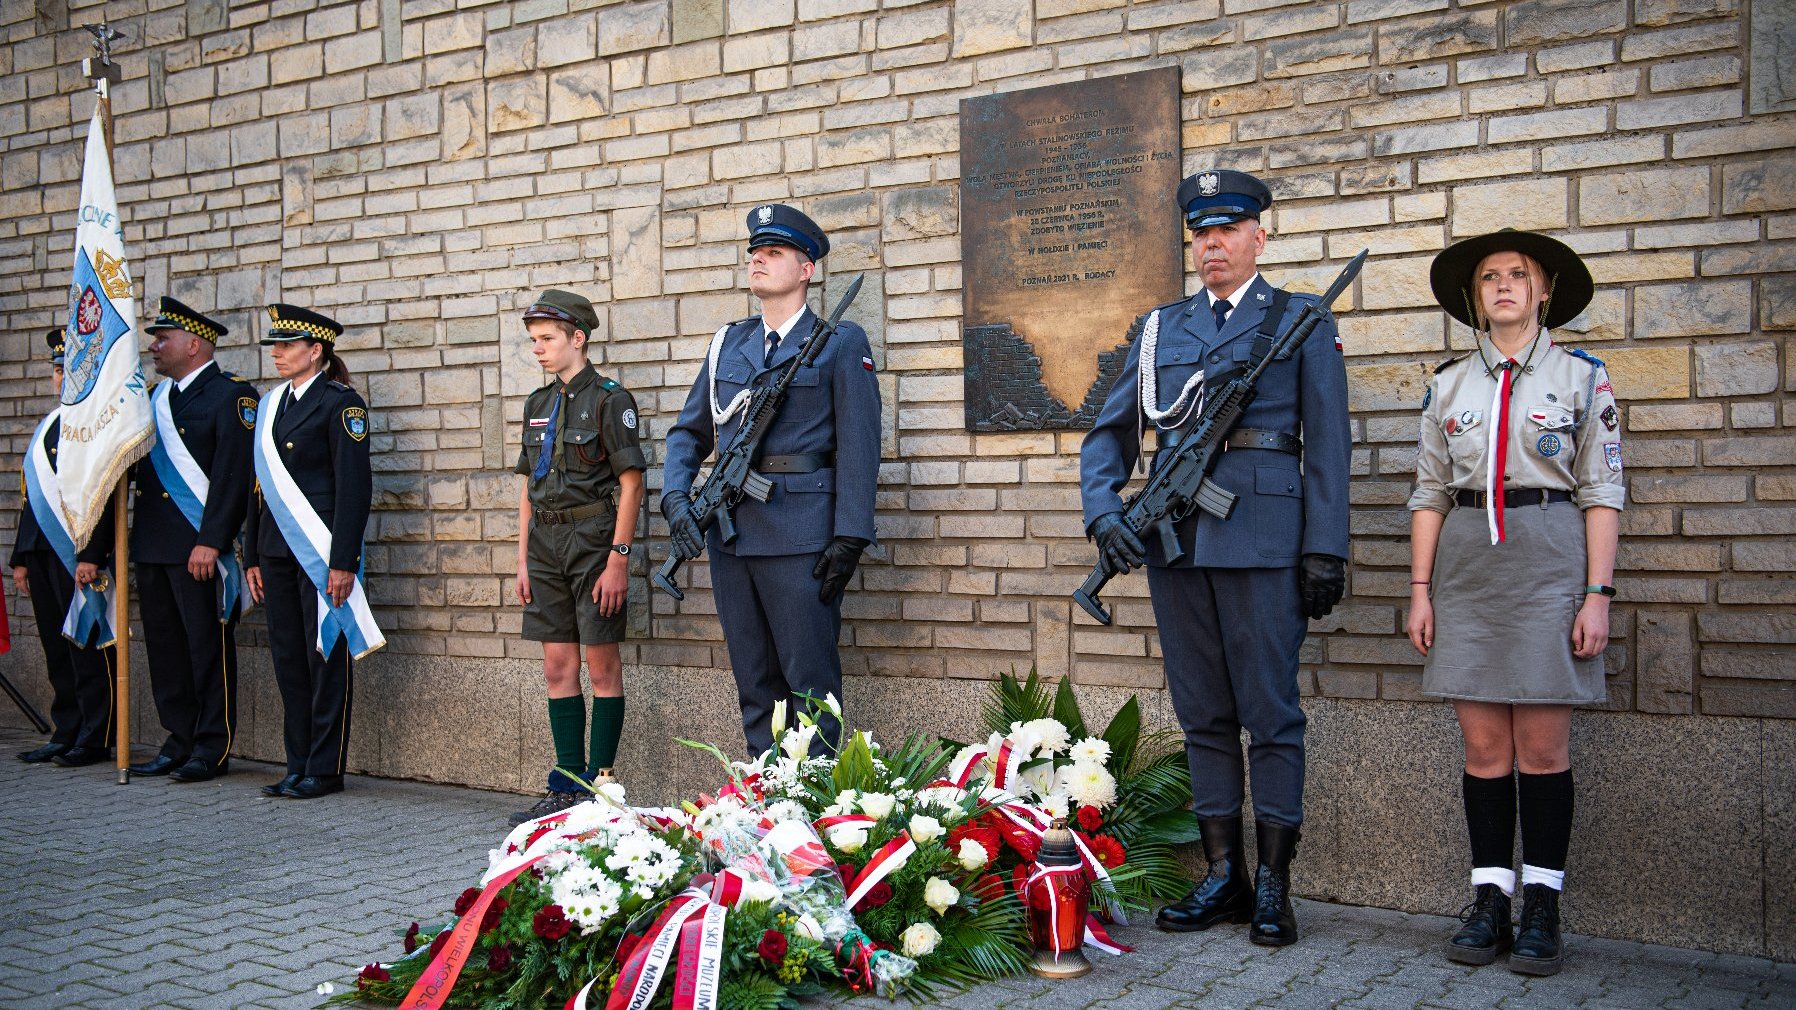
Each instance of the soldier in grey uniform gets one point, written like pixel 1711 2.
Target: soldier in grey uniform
pixel 779 585
pixel 1514 523
pixel 1231 611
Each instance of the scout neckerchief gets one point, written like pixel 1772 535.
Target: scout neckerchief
pixel 187 487
pixel 1496 451
pixel 310 541
pixel 91 608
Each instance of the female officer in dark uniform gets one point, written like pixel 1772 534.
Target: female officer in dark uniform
pixel 304 544
pixel 1513 529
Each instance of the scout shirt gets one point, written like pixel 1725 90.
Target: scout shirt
pixel 1564 428
pixel 598 438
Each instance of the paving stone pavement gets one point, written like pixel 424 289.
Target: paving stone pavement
pixel 209 896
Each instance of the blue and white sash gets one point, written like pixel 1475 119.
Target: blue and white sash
pixel 91 608
pixel 187 486
pixel 310 541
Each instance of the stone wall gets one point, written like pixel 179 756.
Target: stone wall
pixel 419 168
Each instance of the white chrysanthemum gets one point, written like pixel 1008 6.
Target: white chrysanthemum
pixel 1051 734
pixel 629 851
pixel 848 837
pixel 924 828
pixel 877 805
pixel 972 854
pixel 1054 805
pixel 1090 785
pixel 941 797
pixel 920 939
pixel 1091 751
pixel 940 895
pixel 786 810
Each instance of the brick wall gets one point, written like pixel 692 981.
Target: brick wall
pixel 418 169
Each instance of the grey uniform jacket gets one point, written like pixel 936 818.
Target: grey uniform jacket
pixel 833 407
pixel 1564 428
pixel 1288 508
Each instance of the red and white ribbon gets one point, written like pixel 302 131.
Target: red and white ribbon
pixel 890 856
pixel 961 769
pixel 701 961
pixel 641 975
pixel 1097 936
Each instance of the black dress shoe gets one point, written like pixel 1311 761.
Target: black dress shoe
pixel 161 764
pixel 313 786
pixel 1274 920
pixel 200 769
pixel 81 757
pixel 1226 895
pixel 1537 950
pixel 280 788
pixel 42 754
pixel 1486 932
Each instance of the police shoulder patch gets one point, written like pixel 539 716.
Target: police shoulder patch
pixel 355 422
pixel 246 411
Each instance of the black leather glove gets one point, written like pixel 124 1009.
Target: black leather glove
pixel 1118 545
pixel 1321 582
pixel 682 525
pixel 836 566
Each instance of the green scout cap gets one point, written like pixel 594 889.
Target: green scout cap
pixel 565 306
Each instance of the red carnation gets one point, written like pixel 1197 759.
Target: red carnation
pixel 372 973
pixel 772 947
pixel 876 896
pixel 627 946
pixel 499 958
pixel 551 923
pixel 1089 818
pixel 1108 850
pixel 466 901
pixel 441 941
pixel 493 911
pixel 411 938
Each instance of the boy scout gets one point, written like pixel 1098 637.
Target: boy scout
pixel 583 465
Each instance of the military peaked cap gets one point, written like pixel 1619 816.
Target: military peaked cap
pixel 778 224
pixel 55 339
pixel 290 322
pixel 172 315
pixel 1220 196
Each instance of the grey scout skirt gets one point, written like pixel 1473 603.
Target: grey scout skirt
pixel 1503 614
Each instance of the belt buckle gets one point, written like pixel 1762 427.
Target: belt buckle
pixel 549 517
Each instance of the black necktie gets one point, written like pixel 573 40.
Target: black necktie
pixel 1221 308
pixel 174 394
pixel 773 344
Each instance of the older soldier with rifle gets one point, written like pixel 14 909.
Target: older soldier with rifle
pixel 1242 527
pixel 791 404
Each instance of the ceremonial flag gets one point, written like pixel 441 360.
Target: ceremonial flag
pixel 106 420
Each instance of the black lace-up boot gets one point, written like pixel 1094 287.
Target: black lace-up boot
pixel 1274 921
pixel 1486 931
pixel 1538 949
pixel 1224 895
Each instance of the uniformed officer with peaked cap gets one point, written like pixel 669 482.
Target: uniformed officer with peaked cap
pixel 1231 610
pixel 779 585
pixel 82 675
pixel 184 542
pixel 320 431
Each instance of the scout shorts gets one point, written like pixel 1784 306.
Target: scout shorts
pixel 564 563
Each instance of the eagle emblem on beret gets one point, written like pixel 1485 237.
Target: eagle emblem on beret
pixel 1209 184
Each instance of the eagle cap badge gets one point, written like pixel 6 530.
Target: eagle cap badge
pixel 764 214
pixel 1209 184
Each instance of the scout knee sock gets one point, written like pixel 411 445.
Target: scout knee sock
pixel 567 727
pixel 607 727
pixel 1546 807
pixel 1490 822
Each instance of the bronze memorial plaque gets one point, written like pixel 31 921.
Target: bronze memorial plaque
pixel 1069 230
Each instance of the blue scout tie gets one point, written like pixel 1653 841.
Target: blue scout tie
pixel 548 450
pixel 773 344
pixel 1221 308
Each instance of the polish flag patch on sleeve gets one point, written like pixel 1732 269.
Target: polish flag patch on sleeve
pixel 867 363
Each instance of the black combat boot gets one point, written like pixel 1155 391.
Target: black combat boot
pixel 1225 894
pixel 1537 950
pixel 1487 931
pixel 1274 921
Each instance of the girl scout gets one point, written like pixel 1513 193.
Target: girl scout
pixel 1513 533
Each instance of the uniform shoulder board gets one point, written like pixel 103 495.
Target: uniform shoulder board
pixel 732 324
pixel 340 387
pixel 609 384
pixel 1579 352
pixel 1438 369
pixel 1170 305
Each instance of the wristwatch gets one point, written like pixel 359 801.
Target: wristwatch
pixel 1608 591
pixel 624 549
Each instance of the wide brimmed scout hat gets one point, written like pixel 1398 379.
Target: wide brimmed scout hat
pixel 172 315
pixel 1567 278
pixel 290 322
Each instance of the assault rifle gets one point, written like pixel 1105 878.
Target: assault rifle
pixel 1180 481
pixel 733 477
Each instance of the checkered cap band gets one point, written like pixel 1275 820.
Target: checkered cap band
pixel 303 329
pixel 197 327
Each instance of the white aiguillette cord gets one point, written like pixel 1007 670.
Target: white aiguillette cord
pixel 1148 364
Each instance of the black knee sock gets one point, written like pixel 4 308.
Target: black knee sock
pixel 1490 820
pixel 1545 802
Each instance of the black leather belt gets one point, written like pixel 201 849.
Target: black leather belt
pixel 804 462
pixel 1516 499
pixel 1243 438
pixel 561 517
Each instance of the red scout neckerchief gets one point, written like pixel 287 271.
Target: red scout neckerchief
pixel 1497 449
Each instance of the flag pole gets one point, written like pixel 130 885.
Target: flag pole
pixel 104 73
